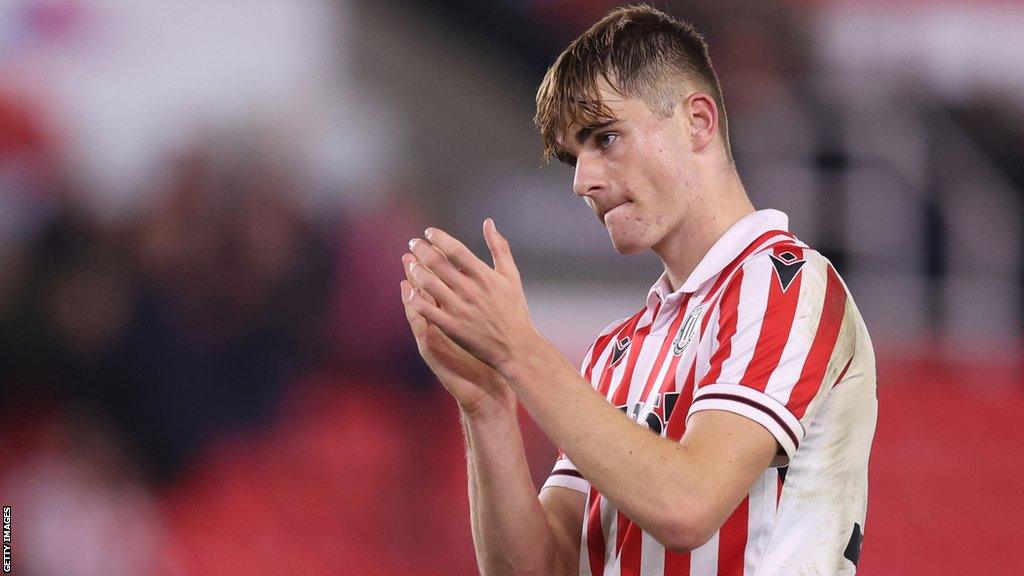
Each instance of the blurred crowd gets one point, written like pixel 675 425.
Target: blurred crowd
pixel 220 383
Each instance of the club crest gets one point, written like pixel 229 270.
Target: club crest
pixel 687 331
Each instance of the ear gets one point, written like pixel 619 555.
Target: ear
pixel 702 114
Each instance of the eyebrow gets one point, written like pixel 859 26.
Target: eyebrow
pixel 586 131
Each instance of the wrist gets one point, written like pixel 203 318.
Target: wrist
pixel 516 367
pixel 491 411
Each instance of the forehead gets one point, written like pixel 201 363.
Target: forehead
pixel 618 108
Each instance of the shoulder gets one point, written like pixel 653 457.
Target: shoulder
pixel 790 264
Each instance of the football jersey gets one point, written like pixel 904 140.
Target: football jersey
pixel 764 327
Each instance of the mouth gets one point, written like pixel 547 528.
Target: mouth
pixel 613 209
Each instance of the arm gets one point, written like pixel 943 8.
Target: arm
pixel 513 532
pixel 680 493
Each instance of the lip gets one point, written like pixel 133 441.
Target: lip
pixel 614 208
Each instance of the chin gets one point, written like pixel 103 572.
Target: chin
pixel 628 246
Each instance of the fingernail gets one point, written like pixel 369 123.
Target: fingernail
pixel 428 233
pixel 412 243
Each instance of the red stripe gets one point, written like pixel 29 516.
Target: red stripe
pixel 726 328
pixel 775 327
pixel 601 344
pixel 623 523
pixel 813 373
pixel 843 373
pixel 629 561
pixel 677 563
pixel 747 252
pixel 670 337
pixel 606 375
pixel 595 535
pixel 676 425
pixel 732 541
pixel 622 392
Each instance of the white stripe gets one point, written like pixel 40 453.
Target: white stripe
pixel 753 302
pixel 609 527
pixel 652 556
pixel 704 560
pixel 586 359
pixel 709 341
pixel 590 351
pixel 570 482
pixel 644 365
pixel 584 544
pixel 706 347
pixel 564 463
pixel 617 372
pixel 841 353
pixel 805 324
pixel 682 369
pixel 760 514
pixel 648 400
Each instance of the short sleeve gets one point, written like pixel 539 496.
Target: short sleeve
pixel 565 475
pixel 781 338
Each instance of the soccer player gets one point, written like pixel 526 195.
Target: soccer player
pixel 725 427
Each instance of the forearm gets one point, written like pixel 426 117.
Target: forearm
pixel 511 533
pixel 651 480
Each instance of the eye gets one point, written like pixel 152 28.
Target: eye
pixel 605 140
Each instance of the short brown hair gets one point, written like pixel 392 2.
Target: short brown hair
pixel 642 53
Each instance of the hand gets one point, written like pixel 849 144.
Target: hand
pixel 473 384
pixel 482 309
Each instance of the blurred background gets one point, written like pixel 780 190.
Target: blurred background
pixel 204 364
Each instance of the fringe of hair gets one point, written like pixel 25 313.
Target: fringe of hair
pixel 640 52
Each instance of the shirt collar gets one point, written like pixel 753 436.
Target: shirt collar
pixel 730 245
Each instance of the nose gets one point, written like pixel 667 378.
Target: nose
pixel 590 177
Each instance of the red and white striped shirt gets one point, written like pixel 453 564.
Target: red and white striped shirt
pixel 765 328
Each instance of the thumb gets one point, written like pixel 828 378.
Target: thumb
pixel 501 252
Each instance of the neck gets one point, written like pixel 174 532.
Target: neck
pixel 719 203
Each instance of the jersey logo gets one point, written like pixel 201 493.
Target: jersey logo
pixel 656 419
pixel 620 348
pixel 786 268
pixel 687 331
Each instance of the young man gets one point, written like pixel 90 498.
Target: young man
pixel 749 370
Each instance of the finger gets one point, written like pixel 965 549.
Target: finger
pixel 417 322
pixel 408 259
pixel 437 263
pixel 501 251
pixel 457 252
pixel 430 312
pixel 430 285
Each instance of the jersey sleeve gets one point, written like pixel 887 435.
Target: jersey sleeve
pixel 782 338
pixel 564 474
